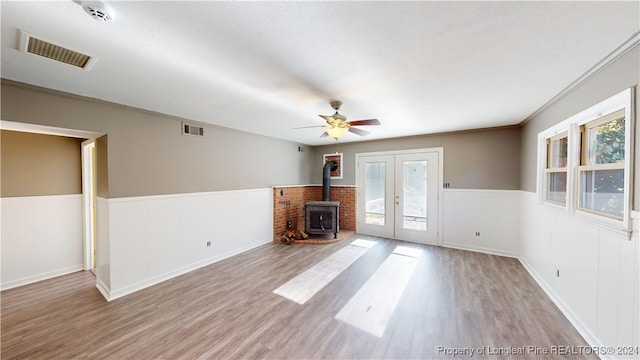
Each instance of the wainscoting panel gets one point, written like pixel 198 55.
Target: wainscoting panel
pixel 103 258
pixel 41 238
pixel 155 238
pixel 591 273
pixel 482 220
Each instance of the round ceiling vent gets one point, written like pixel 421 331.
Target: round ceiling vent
pixel 98 11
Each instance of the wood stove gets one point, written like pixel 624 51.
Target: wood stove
pixel 321 217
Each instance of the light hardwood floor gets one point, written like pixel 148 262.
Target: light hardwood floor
pixel 228 310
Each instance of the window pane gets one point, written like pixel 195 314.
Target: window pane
pixel 557 187
pixel 603 191
pixel 374 193
pixel 606 142
pixel 559 153
pixel 415 195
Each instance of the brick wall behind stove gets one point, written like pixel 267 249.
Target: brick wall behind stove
pixel 290 206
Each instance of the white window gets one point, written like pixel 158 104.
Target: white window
pixel 585 164
pixel 602 165
pixel 556 170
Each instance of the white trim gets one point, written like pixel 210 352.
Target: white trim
pixel 175 196
pixel 104 290
pixel 340 164
pixel 401 152
pixel 48 130
pixel 112 295
pixel 625 47
pixel 621 100
pixel 309 185
pixel 479 249
pixel 40 277
pixel 564 308
pixel 440 153
pixel 155 238
pixel 635 214
pixel 88 209
pixel 62 196
pixel 481 190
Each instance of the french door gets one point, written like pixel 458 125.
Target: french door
pixel 398 196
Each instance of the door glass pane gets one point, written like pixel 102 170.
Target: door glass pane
pixel 374 193
pixel 414 190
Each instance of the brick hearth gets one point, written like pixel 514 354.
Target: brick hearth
pixel 297 196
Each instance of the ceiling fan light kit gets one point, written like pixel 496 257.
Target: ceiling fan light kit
pixel 337 124
pixel 336 132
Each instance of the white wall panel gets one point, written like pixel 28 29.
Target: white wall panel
pixel 495 214
pixel 103 257
pixel 41 238
pixel 598 286
pixel 155 238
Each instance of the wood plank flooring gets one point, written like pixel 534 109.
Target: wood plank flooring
pixel 228 311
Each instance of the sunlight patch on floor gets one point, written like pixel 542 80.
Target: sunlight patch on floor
pixel 371 308
pixel 364 243
pixel 302 287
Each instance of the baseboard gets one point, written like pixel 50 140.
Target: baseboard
pixel 118 293
pixel 573 319
pixel 481 250
pixel 40 277
pixel 104 290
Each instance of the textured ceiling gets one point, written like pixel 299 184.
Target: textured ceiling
pixel 267 67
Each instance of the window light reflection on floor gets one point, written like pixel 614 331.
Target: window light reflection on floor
pixel 304 286
pixel 371 308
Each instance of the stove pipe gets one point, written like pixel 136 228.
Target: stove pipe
pixel 329 166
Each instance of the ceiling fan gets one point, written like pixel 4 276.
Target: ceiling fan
pixel 337 124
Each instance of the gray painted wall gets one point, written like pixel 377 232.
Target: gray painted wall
pixel 622 74
pixel 148 155
pixel 482 159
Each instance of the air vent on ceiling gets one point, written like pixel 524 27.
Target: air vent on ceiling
pixel 188 129
pixel 36 46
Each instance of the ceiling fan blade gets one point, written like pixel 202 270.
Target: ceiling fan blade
pixel 358 131
pixel 306 127
pixel 329 119
pixel 324 134
pixel 364 122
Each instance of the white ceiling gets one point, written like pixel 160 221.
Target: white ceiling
pixel 267 67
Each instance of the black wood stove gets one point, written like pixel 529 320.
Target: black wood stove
pixel 321 217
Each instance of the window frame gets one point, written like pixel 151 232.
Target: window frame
pixel 585 164
pixel 549 169
pixel 593 116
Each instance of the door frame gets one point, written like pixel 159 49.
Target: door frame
pixel 88 201
pixel 439 151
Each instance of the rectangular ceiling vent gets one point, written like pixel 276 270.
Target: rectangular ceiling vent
pixel 36 46
pixel 188 129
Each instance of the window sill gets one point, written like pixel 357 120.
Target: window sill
pixel 603 223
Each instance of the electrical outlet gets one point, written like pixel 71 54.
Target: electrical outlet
pixel 557 273
pixel 208 243
pixel 477 233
